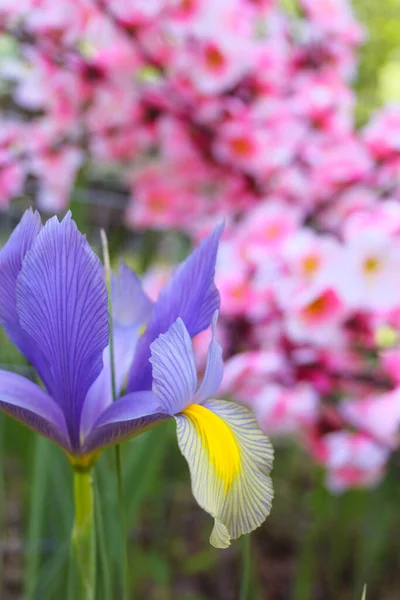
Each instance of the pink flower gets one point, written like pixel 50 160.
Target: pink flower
pixel 235 110
pixel 281 410
pixel 11 177
pixel 378 416
pixel 309 256
pixel 292 184
pixel 390 361
pixel 185 11
pixel 383 216
pixel 213 66
pixel 334 16
pixel 240 144
pixel 140 12
pixel 325 100
pixel 336 163
pixel 315 315
pixel 387 177
pixel 266 228
pixel 353 460
pixel 367 273
pixel 247 374
pixel 234 281
pixel 271 66
pixel 158 201
pixel 382 134
pixel 56 19
pixel 56 171
pixel 354 198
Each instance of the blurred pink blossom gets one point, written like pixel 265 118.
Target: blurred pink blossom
pixel 236 111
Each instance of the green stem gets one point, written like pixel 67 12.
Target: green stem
pixel 83 533
pixel 364 596
pixel 107 268
pixel 246 568
pixel 122 520
pixel 118 465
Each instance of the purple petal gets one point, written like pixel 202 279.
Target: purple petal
pixel 191 295
pixel 131 309
pixel 174 369
pixel 131 305
pixel 99 395
pixel 214 368
pixel 11 257
pixel 130 415
pixel 62 305
pixel 32 406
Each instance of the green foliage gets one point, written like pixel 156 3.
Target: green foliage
pixel 380 55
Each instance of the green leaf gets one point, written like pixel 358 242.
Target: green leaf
pixel 42 454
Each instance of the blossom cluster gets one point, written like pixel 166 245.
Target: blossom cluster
pixel 239 110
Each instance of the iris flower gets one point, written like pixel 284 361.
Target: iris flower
pixel 54 308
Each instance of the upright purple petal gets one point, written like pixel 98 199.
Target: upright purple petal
pixel 191 295
pixel 131 310
pixel 32 406
pixel 97 399
pixel 11 257
pixel 174 369
pixel 62 305
pixel 131 305
pixel 128 416
pixel 214 368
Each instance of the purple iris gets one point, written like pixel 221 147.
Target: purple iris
pixel 53 306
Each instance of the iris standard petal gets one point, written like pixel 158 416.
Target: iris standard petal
pixel 229 459
pixel 131 310
pixel 30 404
pixel 214 368
pixel 131 305
pixel 126 417
pixel 11 257
pixel 174 369
pixel 191 295
pixel 62 305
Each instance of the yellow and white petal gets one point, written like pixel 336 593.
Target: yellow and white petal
pixel 230 460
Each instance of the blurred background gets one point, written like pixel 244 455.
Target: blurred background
pixel 155 120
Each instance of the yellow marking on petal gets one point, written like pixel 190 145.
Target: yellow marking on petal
pixel 219 442
pixel 217 434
